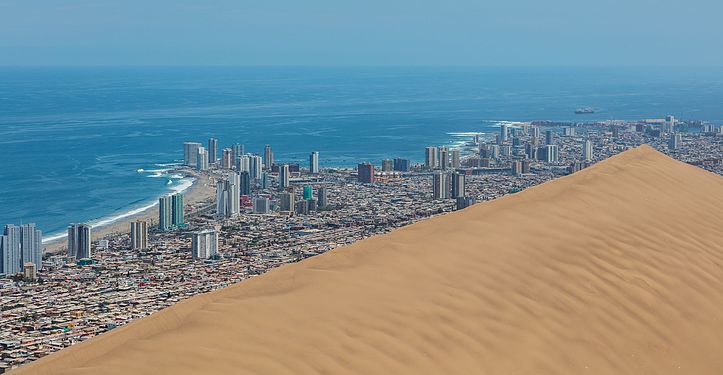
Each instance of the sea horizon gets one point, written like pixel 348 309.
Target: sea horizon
pixel 98 137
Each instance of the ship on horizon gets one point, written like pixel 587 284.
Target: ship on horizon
pixel 584 110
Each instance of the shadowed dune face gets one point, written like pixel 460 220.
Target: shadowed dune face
pixel 617 269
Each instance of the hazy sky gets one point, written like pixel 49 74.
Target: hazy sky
pixel 364 32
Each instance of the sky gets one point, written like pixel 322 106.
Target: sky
pixel 363 32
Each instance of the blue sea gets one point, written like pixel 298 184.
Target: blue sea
pixel 94 144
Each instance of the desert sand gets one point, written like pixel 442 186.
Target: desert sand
pixel 617 269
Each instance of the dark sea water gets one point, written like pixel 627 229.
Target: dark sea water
pixel 90 144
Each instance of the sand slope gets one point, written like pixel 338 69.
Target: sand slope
pixel 617 269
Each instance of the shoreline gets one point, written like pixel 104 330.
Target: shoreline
pixel 199 190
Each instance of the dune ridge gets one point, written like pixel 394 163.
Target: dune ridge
pixel 617 269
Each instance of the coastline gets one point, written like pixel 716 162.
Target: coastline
pixel 200 190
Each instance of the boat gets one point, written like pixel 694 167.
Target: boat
pixel 584 110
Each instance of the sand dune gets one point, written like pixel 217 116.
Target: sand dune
pixel 617 269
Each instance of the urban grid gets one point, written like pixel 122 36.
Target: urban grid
pixel 266 214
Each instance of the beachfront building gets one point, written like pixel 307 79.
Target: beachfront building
pixel 204 244
pixel 79 239
pixel 314 162
pixel 190 153
pixel 202 159
pixel 212 150
pixel 20 245
pixel 430 157
pixel 401 165
pixel 139 235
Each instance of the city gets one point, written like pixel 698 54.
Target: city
pixel 265 214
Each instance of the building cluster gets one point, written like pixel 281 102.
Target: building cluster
pixel 267 213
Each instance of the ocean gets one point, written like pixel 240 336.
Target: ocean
pixel 97 144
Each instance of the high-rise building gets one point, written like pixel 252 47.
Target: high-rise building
pixel 11 249
pixel 387 165
pixel 228 196
pixel 549 137
pixel 265 180
pixel 202 159
pixel 287 201
pixel 443 161
pixel 308 192
pixel 365 173
pixel 458 189
pixel 245 183
pixel 139 235
pixel 535 132
pixel 302 208
pixel 464 202
pixel 255 166
pixel 204 244
pixel 526 166
pixel 243 163
pixel 503 133
pixel 177 217
pixel 321 195
pixel 401 165
pixel 455 161
pixel 284 177
pixel 238 151
pixel 261 205
pixel 268 157
pixel 31 244
pixel 441 186
pixel 314 162
pixel 569 131
pixel 212 150
pixel 551 155
pixel 165 212
pixel 430 157
pixel 79 240
pixel 675 141
pixel 190 153
pixel 531 151
pixel 227 158
pixel 494 151
pixel 587 150
pixel 516 168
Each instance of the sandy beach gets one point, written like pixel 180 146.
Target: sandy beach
pixel 617 269
pixel 202 190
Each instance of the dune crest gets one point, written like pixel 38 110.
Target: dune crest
pixel 617 269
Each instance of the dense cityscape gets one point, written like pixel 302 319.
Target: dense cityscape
pixel 266 214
